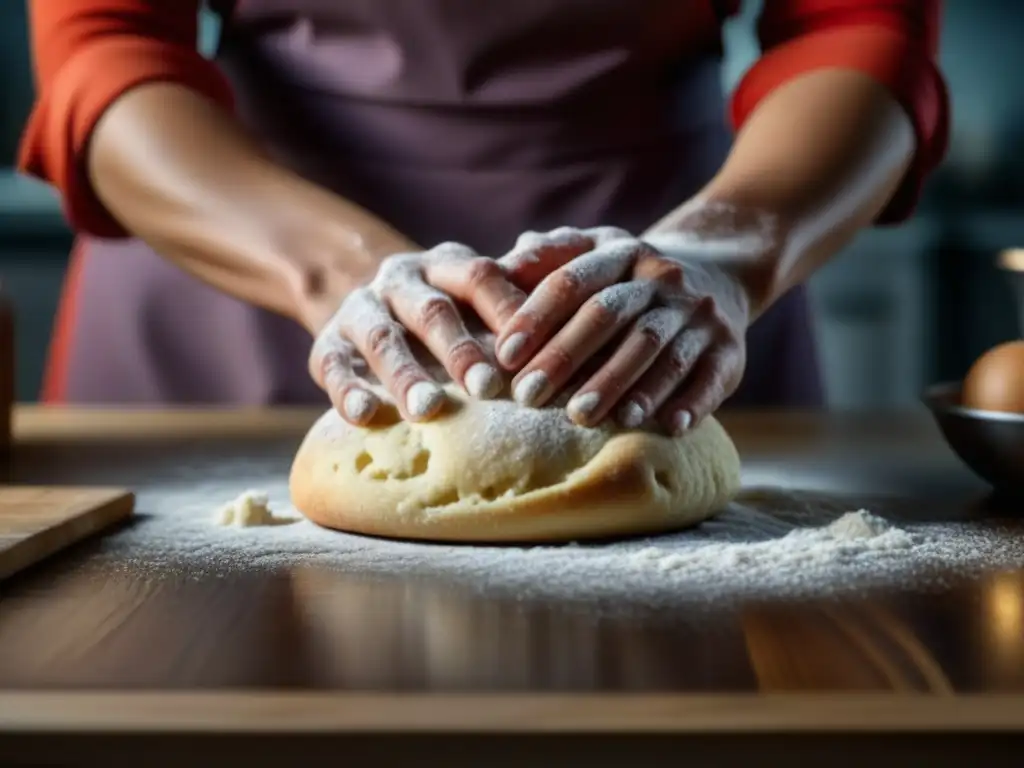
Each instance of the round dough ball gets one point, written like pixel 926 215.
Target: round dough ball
pixel 494 471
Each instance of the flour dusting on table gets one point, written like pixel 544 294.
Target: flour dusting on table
pixel 770 543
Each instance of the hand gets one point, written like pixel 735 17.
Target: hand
pixel 414 293
pixel 673 320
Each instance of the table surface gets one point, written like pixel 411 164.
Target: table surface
pixel 152 651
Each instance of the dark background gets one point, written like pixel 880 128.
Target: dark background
pixel 899 309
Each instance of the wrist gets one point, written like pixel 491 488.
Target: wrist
pixel 323 247
pixel 744 245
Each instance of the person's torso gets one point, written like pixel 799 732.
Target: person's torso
pixel 466 120
pixel 472 120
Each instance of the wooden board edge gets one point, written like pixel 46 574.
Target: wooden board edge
pixel 69 424
pixel 118 505
pixel 278 712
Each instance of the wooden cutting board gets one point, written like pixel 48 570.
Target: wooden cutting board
pixel 37 521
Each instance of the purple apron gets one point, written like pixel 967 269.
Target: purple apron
pixel 465 120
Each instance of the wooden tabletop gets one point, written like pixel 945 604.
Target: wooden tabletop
pixel 292 650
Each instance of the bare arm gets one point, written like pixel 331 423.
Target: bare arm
pixel 178 171
pixel 815 163
pixel 135 129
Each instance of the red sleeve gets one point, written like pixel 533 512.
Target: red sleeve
pixel 87 53
pixel 894 41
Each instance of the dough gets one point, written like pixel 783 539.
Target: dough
pixel 494 471
pixel 249 510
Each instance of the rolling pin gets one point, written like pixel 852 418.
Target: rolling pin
pixel 6 379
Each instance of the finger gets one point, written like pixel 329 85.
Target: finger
pixel 350 395
pixel 537 254
pixel 381 340
pixel 646 340
pixel 665 376
pixel 560 295
pixel 478 281
pixel 332 365
pixel 712 379
pixel 432 317
pixel 600 318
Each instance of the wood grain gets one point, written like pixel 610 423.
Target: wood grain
pixel 37 521
pixel 277 712
pixel 94 644
pixel 70 425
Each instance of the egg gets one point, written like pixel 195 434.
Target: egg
pixel 996 380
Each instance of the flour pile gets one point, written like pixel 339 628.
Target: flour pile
pixel 770 543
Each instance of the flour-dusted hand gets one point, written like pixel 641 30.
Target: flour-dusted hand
pixel 658 327
pixel 413 298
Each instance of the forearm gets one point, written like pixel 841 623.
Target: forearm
pixel 816 162
pixel 180 172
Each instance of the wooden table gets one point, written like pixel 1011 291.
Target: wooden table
pixel 128 663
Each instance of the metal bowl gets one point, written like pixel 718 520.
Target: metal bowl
pixel 990 443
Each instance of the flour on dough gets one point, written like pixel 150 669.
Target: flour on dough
pixel 251 509
pixel 493 470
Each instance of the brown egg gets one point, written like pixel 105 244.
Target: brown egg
pixel 996 380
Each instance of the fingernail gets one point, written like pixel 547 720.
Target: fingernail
pixel 631 415
pixel 482 381
pixel 681 422
pixel 358 404
pixel 531 388
pixel 423 398
pixel 510 350
pixel 583 406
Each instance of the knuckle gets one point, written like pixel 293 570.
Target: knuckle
pixel 604 308
pixel 528 239
pixel 682 355
pixel 333 367
pixel 436 308
pixel 662 323
pixel 482 270
pixel 707 307
pixel 712 314
pixel 394 271
pixel 568 237
pixel 451 250
pixel 668 273
pixel 562 233
pixel 564 283
pixel 677 365
pixel 463 349
pixel 510 304
pixel 405 373
pixel 607 234
pixel 558 363
pixel 651 335
pixel 384 336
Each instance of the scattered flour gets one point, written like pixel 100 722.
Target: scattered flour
pixel 771 543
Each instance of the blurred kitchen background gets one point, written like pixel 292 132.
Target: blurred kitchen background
pixel 899 309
